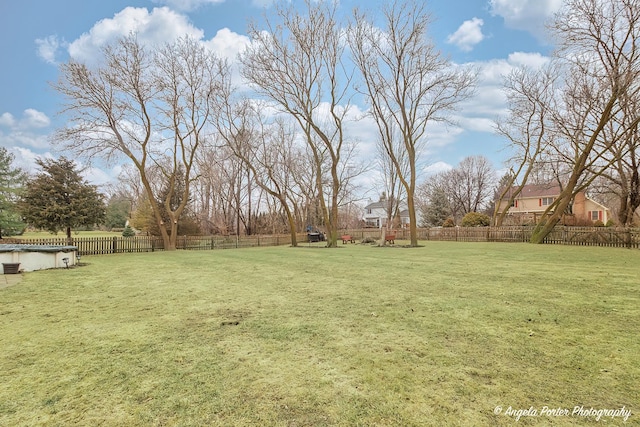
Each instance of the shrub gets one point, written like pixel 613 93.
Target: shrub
pixel 128 232
pixel 598 223
pixel 449 222
pixel 475 219
pixel 610 223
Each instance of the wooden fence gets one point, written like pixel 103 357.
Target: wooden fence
pixel 583 236
pixel 115 245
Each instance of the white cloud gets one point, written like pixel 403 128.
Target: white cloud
pixel 228 44
pixel 262 3
pixel 159 26
pixel 97 176
pixel 527 15
pixel 7 120
pixel 435 168
pixel 187 5
pixel 35 119
pixel 31 119
pixel 48 48
pixel 489 102
pixel 468 35
pixel 25 158
pixel 532 60
pixel 24 139
pixel 479 124
pixel 440 135
pixel 24 131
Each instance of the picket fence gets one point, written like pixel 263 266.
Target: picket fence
pixel 583 236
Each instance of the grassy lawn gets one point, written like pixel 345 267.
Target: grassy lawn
pixel 438 335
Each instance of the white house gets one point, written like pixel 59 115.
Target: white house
pixel 375 214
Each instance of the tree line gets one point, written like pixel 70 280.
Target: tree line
pixel 275 151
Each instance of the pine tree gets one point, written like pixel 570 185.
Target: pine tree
pixel 59 198
pixel 11 182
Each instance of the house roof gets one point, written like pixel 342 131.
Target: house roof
pixel 377 205
pixel 535 190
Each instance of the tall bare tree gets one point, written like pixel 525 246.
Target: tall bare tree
pixel 392 189
pixel 408 84
pixel 150 106
pixel 621 143
pixel 266 148
pixel 297 63
pixel 527 128
pixel 598 55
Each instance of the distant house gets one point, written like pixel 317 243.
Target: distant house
pixel 533 200
pixel 375 214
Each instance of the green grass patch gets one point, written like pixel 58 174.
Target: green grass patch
pixel 359 335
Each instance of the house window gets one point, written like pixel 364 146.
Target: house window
pixel 368 211
pixel 596 215
pixel 546 201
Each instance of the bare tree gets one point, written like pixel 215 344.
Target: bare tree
pixel 408 85
pixel 393 189
pixel 598 56
pixel 470 184
pixel 298 65
pixel 266 149
pixel 150 106
pixel 621 145
pixel 527 129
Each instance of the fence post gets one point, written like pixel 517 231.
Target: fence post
pixel 114 246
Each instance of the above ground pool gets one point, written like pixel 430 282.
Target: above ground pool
pixel 18 257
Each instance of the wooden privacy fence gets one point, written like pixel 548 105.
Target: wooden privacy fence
pixel 583 236
pixel 115 245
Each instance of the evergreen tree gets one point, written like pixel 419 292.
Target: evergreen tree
pixel 438 209
pixel 59 198
pixel 11 182
pixel 117 213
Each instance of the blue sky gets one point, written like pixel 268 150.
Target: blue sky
pixel 36 35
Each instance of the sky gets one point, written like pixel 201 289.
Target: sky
pixel 36 36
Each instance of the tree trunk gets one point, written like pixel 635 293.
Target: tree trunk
pixel 292 222
pixel 543 228
pixel 413 226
